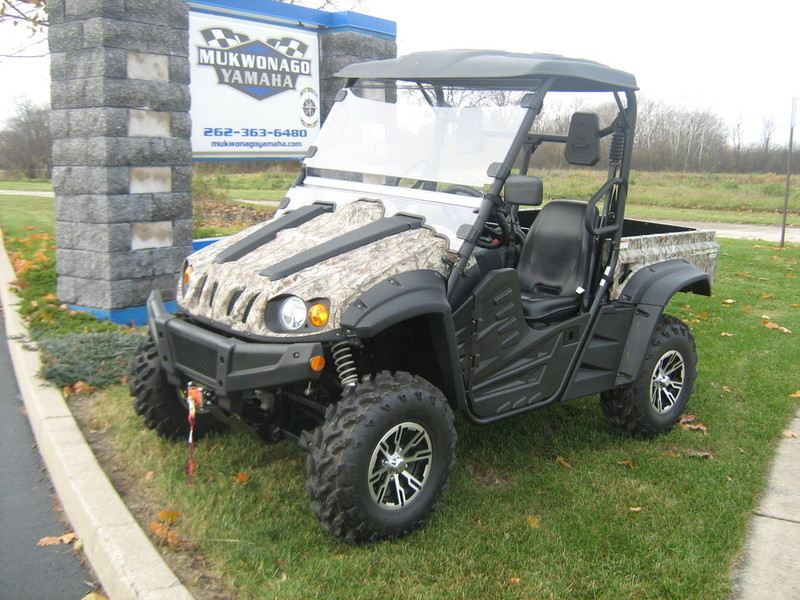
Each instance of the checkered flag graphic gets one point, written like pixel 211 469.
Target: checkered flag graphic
pixel 220 37
pixel 289 47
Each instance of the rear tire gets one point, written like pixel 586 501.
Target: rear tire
pixel 381 460
pixel 162 407
pixel 653 403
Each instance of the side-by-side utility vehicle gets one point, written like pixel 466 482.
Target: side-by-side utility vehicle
pixel 409 274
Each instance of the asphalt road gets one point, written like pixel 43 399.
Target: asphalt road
pixel 27 509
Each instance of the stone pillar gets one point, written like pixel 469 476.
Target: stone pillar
pixel 121 151
pixel 341 48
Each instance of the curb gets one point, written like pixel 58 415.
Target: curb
pixel 127 564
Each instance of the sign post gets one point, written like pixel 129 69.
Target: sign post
pixel 788 172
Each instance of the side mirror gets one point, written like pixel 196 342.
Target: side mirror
pixel 524 190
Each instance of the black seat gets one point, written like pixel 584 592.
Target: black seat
pixel 554 260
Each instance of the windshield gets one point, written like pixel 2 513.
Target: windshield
pixel 419 136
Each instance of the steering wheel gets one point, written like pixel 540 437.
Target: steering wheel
pixel 463 190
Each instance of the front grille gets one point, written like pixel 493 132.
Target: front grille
pixel 195 356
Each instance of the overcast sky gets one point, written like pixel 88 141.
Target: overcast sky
pixel 729 56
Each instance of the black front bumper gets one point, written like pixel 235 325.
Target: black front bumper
pixel 226 364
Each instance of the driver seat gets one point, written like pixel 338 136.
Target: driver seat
pixel 554 261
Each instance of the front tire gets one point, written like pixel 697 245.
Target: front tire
pixel 160 404
pixel 653 403
pixel 381 460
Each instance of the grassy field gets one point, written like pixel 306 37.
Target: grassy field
pixel 726 198
pixel 550 505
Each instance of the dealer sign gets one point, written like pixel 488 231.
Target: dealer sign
pixel 255 88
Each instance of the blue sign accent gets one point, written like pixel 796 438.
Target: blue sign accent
pixel 327 22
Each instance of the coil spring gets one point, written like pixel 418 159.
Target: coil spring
pixel 345 364
pixel 617 148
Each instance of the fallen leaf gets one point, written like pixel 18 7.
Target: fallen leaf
pixel 626 463
pixel 241 477
pixel 724 334
pixel 770 325
pixel 790 275
pixel 81 387
pixel 694 426
pixel 514 580
pixel 699 454
pixel 636 508
pixel 789 434
pixel 671 454
pixel 767 296
pixel 727 388
pixel 533 521
pixel 563 462
pixel 795 395
pixel 149 476
pixel 729 301
pixel 67 538
pixel 166 534
pixel 169 517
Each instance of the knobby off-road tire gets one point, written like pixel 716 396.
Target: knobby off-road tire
pixel 380 462
pixel 653 403
pixel 162 407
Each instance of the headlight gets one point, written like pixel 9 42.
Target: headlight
pixel 292 313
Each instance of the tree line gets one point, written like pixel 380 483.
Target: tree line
pixel 668 138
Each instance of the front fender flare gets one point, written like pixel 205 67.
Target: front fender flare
pixel 403 297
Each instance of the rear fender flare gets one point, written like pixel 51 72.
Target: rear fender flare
pixel 650 289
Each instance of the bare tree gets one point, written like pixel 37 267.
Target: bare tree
pixel 30 12
pixel 25 141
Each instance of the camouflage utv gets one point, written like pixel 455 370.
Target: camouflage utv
pixel 409 275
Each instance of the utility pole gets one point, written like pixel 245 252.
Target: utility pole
pixel 788 171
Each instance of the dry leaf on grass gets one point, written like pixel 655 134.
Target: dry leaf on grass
pixel 789 434
pixel 533 521
pixel 771 325
pixel 699 454
pixel 241 477
pixel 626 463
pixel 166 534
pixel 563 462
pixel 636 508
pixel 671 454
pixel 169 517
pixel 795 395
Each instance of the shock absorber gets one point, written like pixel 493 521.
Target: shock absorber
pixel 345 363
pixel 617 148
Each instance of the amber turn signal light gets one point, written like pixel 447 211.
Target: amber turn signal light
pixel 317 363
pixel 318 314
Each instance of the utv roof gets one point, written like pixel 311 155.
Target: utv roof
pixel 494 68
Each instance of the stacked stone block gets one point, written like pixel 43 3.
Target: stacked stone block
pixel 121 148
pixel 342 48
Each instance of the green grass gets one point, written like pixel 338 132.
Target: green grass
pixel 515 523
pixel 32 185
pixel 20 212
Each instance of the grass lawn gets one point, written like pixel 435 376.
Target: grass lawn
pixel 19 212
pixel 516 522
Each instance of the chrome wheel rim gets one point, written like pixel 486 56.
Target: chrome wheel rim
pixel 400 465
pixel 666 383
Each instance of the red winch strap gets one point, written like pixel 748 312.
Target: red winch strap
pixel 193 398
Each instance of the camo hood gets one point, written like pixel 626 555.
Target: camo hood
pixel 314 253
